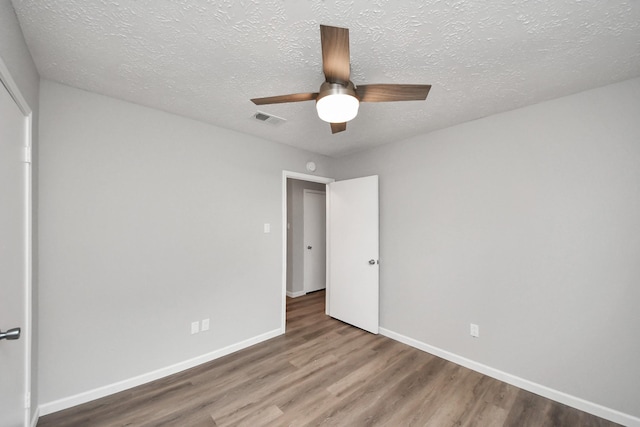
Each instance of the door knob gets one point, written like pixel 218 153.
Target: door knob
pixel 11 334
pixel 308 247
pixel 372 261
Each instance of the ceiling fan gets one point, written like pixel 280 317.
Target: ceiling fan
pixel 338 99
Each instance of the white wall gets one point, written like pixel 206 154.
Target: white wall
pixel 528 224
pixel 16 56
pixel 151 221
pixel 295 235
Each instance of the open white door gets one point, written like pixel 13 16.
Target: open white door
pixel 353 292
pixel 14 263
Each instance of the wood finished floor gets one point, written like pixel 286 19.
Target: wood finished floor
pixel 323 372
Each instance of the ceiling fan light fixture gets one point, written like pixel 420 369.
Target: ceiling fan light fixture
pixel 337 103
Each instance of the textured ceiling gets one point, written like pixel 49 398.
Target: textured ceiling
pixel 206 59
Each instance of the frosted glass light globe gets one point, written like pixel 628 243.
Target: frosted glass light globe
pixel 337 108
pixel 337 103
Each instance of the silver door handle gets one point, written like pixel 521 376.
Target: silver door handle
pixel 11 334
pixel 372 261
pixel 308 247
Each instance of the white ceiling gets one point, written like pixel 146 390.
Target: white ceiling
pixel 206 59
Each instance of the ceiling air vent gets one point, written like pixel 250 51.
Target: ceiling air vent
pixel 268 118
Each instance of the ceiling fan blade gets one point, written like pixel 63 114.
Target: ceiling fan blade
pixel 391 92
pixel 335 54
pixel 338 127
pixel 294 97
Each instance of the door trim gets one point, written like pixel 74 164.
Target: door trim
pixel 303 177
pixel 7 80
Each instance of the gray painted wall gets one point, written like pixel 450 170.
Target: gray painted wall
pixel 152 221
pixel 16 56
pixel 528 224
pixel 525 223
pixel 295 235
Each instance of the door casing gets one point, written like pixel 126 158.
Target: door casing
pixel 7 80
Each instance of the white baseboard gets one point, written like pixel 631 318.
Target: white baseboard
pixel 544 391
pixel 35 417
pixel 295 294
pixel 78 399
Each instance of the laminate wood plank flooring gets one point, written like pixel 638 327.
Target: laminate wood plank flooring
pixel 323 372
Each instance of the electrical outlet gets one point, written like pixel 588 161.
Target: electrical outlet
pixel 474 330
pixel 205 325
pixel 195 327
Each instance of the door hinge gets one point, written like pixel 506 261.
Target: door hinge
pixel 27 154
pixel 27 401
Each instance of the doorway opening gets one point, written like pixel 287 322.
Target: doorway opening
pixel 304 237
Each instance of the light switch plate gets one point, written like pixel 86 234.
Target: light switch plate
pixel 267 228
pixel 205 325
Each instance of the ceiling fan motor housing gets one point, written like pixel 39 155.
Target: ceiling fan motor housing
pixel 328 88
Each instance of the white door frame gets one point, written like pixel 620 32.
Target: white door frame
pixel 302 177
pixel 14 91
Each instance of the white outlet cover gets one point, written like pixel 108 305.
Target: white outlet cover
pixel 195 327
pixel 205 325
pixel 267 228
pixel 474 330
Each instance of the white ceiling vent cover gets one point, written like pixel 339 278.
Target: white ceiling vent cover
pixel 268 118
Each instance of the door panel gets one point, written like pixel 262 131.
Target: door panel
pixel 315 254
pixel 13 260
pixel 353 252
